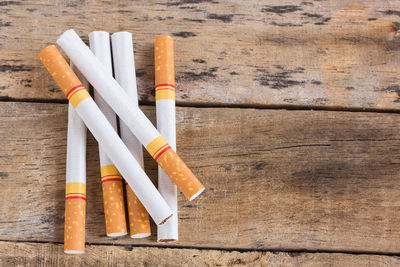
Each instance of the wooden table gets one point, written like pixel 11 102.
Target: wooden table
pixel 287 112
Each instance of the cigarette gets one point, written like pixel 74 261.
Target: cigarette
pixel 75 193
pixel 165 106
pixel 104 133
pixel 124 71
pixel 111 180
pixel 133 117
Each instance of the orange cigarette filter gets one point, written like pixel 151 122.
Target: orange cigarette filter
pixel 76 93
pixel 63 75
pixel 75 199
pixel 112 144
pixel 75 210
pixel 113 199
pixel 139 220
pixel 159 149
pixel 124 70
pixel 176 169
pixel 164 67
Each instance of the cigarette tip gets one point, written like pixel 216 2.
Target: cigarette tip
pixel 162 37
pixel 142 235
pixel 74 252
pixel 66 34
pixel 70 30
pixel 121 33
pixel 118 234
pixel 45 49
pixel 197 194
pixel 94 33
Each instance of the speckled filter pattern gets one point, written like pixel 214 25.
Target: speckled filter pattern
pixel 74 231
pixel 174 167
pixel 63 75
pixel 179 173
pixel 139 219
pixel 164 67
pixel 113 200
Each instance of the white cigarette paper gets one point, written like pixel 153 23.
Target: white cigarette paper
pixel 76 142
pixel 112 184
pixel 105 134
pixel 132 116
pixel 125 74
pixel 75 198
pixel 107 87
pixel 165 107
pixel 100 45
pixel 124 69
pixel 124 161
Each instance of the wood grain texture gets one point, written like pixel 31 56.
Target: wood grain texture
pixel 333 54
pixel 275 179
pixel 34 254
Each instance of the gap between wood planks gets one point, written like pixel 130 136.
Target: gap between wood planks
pixel 130 247
pixel 218 105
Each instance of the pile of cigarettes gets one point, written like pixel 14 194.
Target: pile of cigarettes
pixel 120 156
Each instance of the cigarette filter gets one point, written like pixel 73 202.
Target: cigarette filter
pixel 132 116
pixel 165 106
pixel 105 135
pixel 111 180
pixel 124 69
pixel 75 193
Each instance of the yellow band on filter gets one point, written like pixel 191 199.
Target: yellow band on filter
pixel 165 92
pixel 109 169
pixel 75 190
pixel 109 173
pixel 78 97
pixel 157 147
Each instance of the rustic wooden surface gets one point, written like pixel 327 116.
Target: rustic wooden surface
pixel 275 179
pixel 36 254
pixel 284 187
pixel 328 54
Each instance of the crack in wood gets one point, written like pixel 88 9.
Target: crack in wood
pixel 295 146
pixel 195 20
pixel 15 68
pixel 238 249
pixel 226 18
pixel 184 34
pixel 9 3
pixel 281 9
pixel 185 2
pixel 363 140
pixel 391 12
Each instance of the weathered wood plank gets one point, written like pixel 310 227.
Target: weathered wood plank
pixel 275 179
pixel 36 254
pixel 336 54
